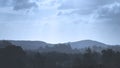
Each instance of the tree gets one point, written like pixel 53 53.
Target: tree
pixel 90 59
pixel 12 56
pixel 108 58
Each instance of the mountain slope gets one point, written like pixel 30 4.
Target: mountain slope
pixel 86 44
pixel 43 46
pixel 30 45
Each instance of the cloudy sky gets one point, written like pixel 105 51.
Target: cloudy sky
pixel 56 21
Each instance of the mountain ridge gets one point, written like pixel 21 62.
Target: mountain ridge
pixel 36 45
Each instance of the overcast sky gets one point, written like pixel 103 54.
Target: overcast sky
pixel 56 21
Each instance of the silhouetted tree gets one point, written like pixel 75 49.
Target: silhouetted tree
pixel 12 56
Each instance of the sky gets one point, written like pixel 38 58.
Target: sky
pixel 58 21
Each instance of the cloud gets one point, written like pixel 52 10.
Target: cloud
pixel 111 11
pixel 18 4
pixel 23 4
pixel 92 11
pixel 83 6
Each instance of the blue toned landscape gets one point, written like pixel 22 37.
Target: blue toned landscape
pixel 59 33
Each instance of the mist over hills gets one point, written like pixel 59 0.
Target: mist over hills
pixel 38 54
pixel 86 43
pixel 62 47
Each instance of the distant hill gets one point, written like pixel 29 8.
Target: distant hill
pixel 30 45
pixel 73 46
pixel 86 44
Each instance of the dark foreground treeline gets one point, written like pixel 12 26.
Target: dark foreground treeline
pixel 15 57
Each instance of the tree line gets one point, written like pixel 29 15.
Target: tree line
pixel 12 56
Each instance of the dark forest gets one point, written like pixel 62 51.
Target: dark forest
pixel 12 56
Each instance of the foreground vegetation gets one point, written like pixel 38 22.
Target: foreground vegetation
pixel 13 56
